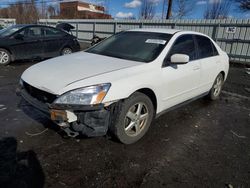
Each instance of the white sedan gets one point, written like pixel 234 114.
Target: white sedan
pixel 120 85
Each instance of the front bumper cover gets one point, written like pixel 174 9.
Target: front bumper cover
pixel 90 120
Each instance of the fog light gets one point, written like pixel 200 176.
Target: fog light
pixel 58 115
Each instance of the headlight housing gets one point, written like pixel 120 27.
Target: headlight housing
pixel 90 95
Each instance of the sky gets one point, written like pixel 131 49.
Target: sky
pixel 123 9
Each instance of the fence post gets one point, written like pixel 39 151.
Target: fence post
pixel 77 30
pixel 115 25
pixel 94 29
pixel 141 24
pixel 215 28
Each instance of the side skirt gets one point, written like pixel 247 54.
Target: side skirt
pixel 181 104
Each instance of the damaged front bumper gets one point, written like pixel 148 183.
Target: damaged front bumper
pixel 74 119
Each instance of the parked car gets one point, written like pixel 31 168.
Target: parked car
pixel 121 84
pixel 34 41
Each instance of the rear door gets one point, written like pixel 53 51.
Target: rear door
pixel 54 40
pixel 180 82
pixel 209 59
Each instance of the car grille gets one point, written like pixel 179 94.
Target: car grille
pixel 40 95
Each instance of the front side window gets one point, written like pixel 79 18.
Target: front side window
pixel 205 47
pixel 132 45
pixel 183 45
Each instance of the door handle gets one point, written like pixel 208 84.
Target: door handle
pixel 196 68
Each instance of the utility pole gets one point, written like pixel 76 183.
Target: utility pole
pixel 169 12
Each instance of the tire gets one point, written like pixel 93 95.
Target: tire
pixel 132 119
pixel 5 57
pixel 66 51
pixel 215 91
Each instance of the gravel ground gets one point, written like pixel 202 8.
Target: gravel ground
pixel 203 144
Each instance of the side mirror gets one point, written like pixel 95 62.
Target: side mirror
pixel 179 59
pixel 19 36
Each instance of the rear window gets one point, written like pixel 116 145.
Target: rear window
pixel 136 46
pixel 205 47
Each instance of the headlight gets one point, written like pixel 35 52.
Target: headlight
pixel 85 96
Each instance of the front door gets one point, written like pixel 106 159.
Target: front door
pixel 180 82
pixel 30 46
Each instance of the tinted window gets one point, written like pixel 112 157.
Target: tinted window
pixel 183 45
pixel 33 32
pixel 205 47
pixel 10 30
pixel 137 46
pixel 50 32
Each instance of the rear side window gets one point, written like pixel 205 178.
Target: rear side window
pixel 205 47
pixel 50 32
pixel 183 45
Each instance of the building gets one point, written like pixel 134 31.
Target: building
pixel 82 10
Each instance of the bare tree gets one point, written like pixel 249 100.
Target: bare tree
pixel 106 5
pixel 244 5
pixel 219 9
pixel 24 11
pixel 43 13
pixel 183 8
pixel 169 11
pixel 147 10
pixel 51 11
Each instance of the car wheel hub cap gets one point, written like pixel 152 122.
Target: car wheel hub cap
pixel 67 51
pixel 217 86
pixel 4 57
pixel 136 119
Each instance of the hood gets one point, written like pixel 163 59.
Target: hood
pixel 55 74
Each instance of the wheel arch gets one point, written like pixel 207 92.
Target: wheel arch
pixel 150 93
pixel 223 74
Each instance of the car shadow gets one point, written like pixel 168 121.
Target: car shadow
pixel 24 62
pixel 19 169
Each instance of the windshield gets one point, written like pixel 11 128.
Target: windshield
pixel 9 30
pixel 132 45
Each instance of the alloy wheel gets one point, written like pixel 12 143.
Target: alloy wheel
pixel 4 57
pixel 66 51
pixel 218 86
pixel 136 119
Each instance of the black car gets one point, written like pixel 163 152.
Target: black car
pixel 34 41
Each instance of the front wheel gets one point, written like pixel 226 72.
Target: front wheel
pixel 216 88
pixel 133 119
pixel 4 57
pixel 66 51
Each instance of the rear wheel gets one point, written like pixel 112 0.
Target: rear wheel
pixel 66 51
pixel 4 57
pixel 134 118
pixel 216 88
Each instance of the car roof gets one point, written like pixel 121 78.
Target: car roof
pixel 167 31
pixel 30 25
pixel 156 30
